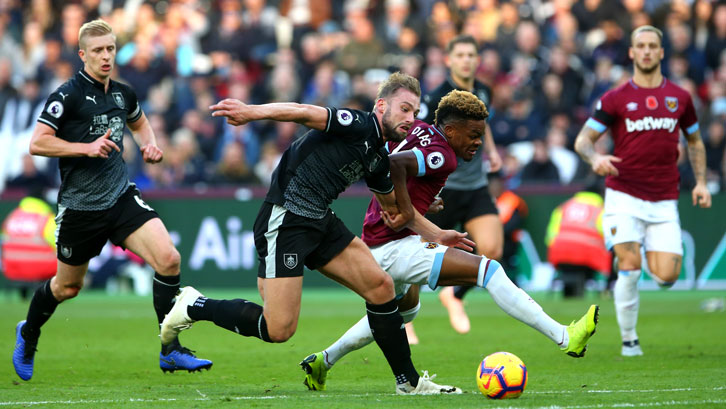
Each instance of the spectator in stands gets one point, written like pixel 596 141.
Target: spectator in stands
pixel 540 169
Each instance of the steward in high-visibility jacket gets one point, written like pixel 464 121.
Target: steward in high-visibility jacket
pixel 575 236
pixel 28 242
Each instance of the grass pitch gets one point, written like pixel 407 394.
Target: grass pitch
pixel 101 351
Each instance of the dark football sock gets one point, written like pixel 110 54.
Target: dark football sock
pixel 41 308
pixel 388 331
pixel 461 290
pixel 164 288
pixel 240 316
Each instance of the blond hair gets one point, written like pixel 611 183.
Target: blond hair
pixel 95 28
pixel 643 29
pixel 396 81
pixel 460 105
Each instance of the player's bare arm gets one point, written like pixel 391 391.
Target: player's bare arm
pixel 585 147
pixel 402 165
pixel 239 113
pixel 697 155
pixel 44 142
pixel 145 138
pixel 495 161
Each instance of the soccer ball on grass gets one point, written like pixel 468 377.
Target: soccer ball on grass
pixel 501 375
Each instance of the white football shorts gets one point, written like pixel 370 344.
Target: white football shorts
pixel 655 225
pixel 410 261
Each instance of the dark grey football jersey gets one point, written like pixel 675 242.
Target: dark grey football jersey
pixel 316 168
pixel 81 111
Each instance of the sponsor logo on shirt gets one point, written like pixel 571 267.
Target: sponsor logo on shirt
pixel 649 123
pixel 631 106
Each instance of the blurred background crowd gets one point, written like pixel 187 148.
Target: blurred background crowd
pixel 547 63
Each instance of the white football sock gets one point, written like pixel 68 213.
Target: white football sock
pixel 358 336
pixel 517 303
pixel 627 301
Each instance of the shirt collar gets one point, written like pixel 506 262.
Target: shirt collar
pixel 379 132
pixel 85 77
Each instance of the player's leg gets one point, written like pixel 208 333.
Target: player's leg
pixel 664 252
pixel 66 284
pixel 459 267
pixel 626 296
pixel 486 230
pixel 137 227
pixel 80 236
pixel 356 268
pixel 316 366
pixel 409 301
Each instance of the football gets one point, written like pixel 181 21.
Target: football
pixel 501 375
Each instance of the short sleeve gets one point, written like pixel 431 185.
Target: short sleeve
pixel 433 159
pixel 689 120
pixel 133 108
pixel 57 108
pixel 379 180
pixel 605 113
pixel 349 123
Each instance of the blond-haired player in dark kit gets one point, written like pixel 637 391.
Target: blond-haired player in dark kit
pixel 83 124
pixel 645 116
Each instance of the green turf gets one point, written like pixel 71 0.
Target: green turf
pixel 101 351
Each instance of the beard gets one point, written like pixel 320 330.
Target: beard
pixel 390 130
pixel 647 70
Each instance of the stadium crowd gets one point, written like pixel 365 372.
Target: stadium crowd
pixel 547 62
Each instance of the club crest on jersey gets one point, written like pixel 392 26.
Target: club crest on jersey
pixel 344 116
pixel 290 260
pixel 55 109
pixel 671 103
pixel 431 246
pixel 66 251
pixel 435 160
pixel 651 102
pixel 118 98
pixel 613 230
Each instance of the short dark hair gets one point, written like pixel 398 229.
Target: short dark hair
pixel 461 39
pixel 396 81
pixel 460 105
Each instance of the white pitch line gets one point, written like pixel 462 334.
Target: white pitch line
pixel 324 396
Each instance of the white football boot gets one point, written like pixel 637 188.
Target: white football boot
pixel 177 319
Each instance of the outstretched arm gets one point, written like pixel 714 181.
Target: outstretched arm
pixel 697 156
pixel 585 147
pixel 145 138
pixel 239 113
pixel 44 142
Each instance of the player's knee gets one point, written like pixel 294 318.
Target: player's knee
pixel 493 252
pixel 67 292
pixel 381 289
pixel 170 262
pixel 281 333
pixel 628 264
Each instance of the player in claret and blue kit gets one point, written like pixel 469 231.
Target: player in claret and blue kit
pixel 423 161
pixel 645 117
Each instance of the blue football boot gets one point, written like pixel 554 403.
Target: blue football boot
pixel 182 359
pixel 24 353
